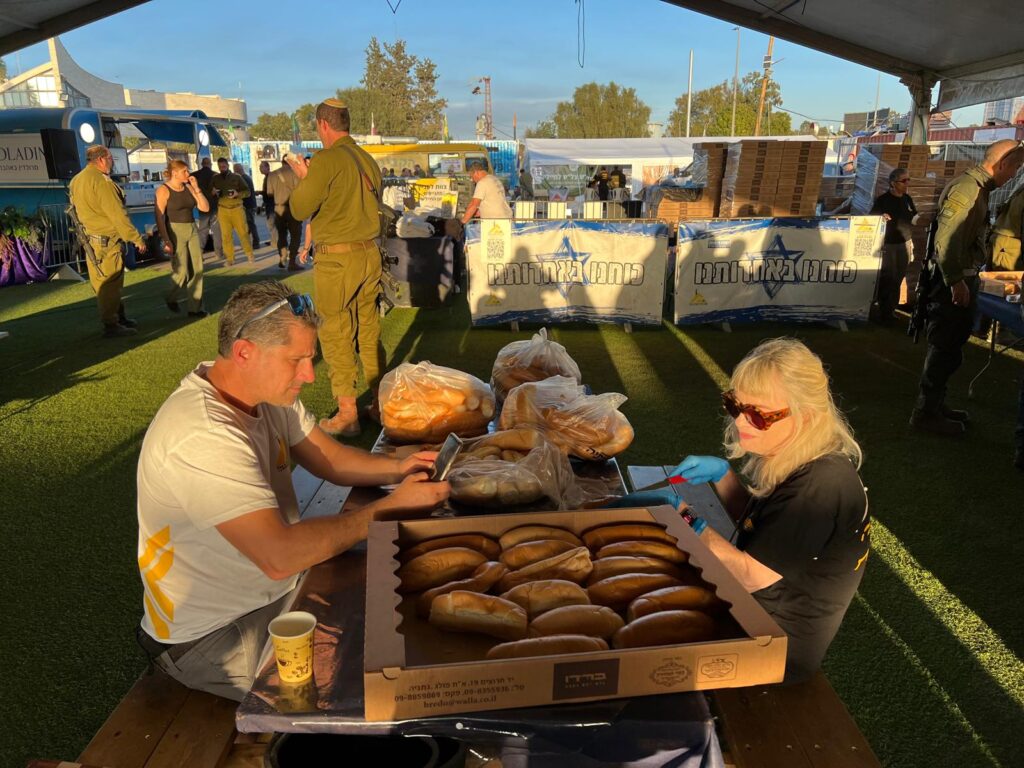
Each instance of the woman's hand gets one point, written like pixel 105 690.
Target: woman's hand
pixel 168 249
pixel 702 469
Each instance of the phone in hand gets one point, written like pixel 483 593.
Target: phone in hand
pixel 446 457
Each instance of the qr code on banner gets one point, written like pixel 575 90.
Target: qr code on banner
pixel 495 249
pixel 864 248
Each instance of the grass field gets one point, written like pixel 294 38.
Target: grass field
pixel 928 659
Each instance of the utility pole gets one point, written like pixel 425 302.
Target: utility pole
pixel 735 83
pixel 689 94
pixel 878 89
pixel 764 85
pixel 488 116
pixel 513 126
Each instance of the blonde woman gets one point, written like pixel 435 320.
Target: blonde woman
pixel 802 523
pixel 176 199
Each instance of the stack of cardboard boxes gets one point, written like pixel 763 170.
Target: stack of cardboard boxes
pixel 834 191
pixel 675 207
pixel 772 178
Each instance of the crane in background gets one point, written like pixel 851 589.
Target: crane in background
pixel 485 122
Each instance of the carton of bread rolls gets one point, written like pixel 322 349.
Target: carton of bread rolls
pixel 532 359
pixel 423 403
pixel 586 426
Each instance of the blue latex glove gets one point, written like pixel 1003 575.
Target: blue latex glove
pixel 646 499
pixel 702 469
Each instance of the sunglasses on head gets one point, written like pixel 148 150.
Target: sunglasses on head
pixel 300 304
pixel 758 418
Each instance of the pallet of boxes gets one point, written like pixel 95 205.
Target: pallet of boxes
pixel 688 204
pixel 772 178
pixel 498 607
pixel 834 193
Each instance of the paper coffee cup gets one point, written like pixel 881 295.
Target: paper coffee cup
pixel 292 635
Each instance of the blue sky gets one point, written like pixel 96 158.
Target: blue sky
pixel 285 54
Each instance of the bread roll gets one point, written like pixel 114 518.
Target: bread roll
pixel 666 628
pixel 573 565
pixel 519 439
pixel 461 611
pixel 590 620
pixel 684 598
pixel 553 645
pixel 537 597
pixel 660 549
pixel 485 545
pixel 603 535
pixel 619 591
pixel 438 567
pixel 614 566
pixel 530 552
pixel 483 578
pixel 537 533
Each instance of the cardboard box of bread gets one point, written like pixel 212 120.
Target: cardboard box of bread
pixel 477 613
pixel 1000 283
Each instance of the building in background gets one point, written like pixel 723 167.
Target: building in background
pixel 1004 111
pixel 61 82
pixel 855 122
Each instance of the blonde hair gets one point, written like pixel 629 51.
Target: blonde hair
pixel 174 165
pixel 786 368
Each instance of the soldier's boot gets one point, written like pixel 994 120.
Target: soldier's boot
pixel 937 424
pixel 117 330
pixel 345 421
pixel 124 320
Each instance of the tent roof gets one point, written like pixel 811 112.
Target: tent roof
pixel 24 23
pixel 620 151
pixel 912 39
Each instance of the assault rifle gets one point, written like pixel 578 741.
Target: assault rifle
pixel 83 238
pixel 919 317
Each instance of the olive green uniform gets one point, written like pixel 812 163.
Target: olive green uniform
pixel 99 203
pixel 959 249
pixel 347 262
pixel 1006 235
pixel 231 213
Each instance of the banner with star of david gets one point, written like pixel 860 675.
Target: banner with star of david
pixel 784 270
pixel 565 270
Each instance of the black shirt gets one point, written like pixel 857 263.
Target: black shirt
pixel 901 210
pixel 204 178
pixel 813 530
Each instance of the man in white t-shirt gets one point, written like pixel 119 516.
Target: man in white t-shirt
pixel 488 196
pixel 221 546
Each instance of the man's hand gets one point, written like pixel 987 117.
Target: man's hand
pixel 887 217
pixel 422 461
pixel 961 294
pixel 415 494
pixel 298 166
pixel 141 247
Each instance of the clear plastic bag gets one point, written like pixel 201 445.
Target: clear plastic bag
pixel 422 403
pixel 532 359
pixel 587 426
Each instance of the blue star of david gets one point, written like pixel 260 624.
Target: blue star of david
pixel 563 252
pixel 776 249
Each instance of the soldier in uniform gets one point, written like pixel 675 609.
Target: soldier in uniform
pixel 341 190
pixel 1005 255
pixel 959 249
pixel 230 190
pixel 99 204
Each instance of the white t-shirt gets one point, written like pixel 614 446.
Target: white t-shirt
pixel 205 462
pixel 491 194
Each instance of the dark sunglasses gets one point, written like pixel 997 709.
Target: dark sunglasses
pixel 300 304
pixel 758 418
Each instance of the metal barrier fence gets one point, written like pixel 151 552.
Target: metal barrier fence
pixel 594 210
pixel 65 249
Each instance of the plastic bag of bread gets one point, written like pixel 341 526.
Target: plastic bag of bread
pixel 587 426
pixel 531 360
pixel 513 477
pixel 424 402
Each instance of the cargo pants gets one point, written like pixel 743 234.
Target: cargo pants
pixel 186 266
pixel 108 280
pixel 346 289
pixel 233 220
pixel 948 328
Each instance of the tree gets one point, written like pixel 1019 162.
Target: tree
pixel 599 112
pixel 276 126
pixel 360 109
pixel 305 116
pixel 711 110
pixel 3 70
pixel 545 129
pixel 400 91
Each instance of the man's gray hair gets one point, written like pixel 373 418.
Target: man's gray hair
pixel 475 166
pixel 898 173
pixel 273 330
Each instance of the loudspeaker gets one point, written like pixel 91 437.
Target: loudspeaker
pixel 60 148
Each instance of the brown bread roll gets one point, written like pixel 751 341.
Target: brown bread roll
pixel 668 552
pixel 684 598
pixel 666 628
pixel 603 535
pixel 483 578
pixel 537 597
pixel 619 591
pixel 573 565
pixel 553 645
pixel 529 552
pixel 615 566
pixel 537 533
pixel 485 545
pixel 438 567
pixel 462 611
pixel 590 620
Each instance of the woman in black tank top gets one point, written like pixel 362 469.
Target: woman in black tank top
pixel 176 200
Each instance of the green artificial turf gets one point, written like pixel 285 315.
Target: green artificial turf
pixel 928 660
